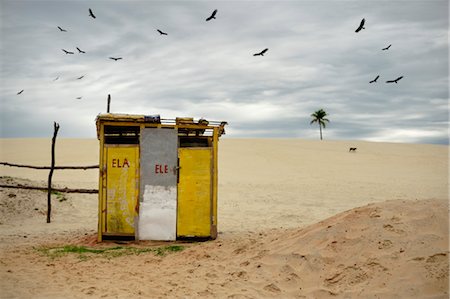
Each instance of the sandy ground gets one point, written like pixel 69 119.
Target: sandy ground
pixel 297 219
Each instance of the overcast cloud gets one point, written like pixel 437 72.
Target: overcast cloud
pixel 207 69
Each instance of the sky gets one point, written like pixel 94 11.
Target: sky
pixel 206 69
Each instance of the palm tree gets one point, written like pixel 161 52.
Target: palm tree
pixel 319 117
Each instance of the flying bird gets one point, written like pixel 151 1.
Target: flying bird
pixel 91 14
pixel 115 58
pixel 212 16
pixel 56 78
pixel 387 48
pixel 63 30
pixel 160 32
pixel 361 25
pixel 261 53
pixel 79 98
pixel 20 91
pixel 375 80
pixel 79 78
pixel 395 81
pixel 67 52
pixel 80 51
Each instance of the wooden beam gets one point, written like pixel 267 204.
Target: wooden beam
pixel 48 167
pixel 64 190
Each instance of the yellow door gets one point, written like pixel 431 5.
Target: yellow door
pixel 122 188
pixel 194 193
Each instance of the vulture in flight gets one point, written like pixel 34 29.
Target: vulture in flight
pixel 91 14
pixel 395 81
pixel 63 30
pixel 261 53
pixel 20 91
pixel 387 48
pixel 212 16
pixel 115 58
pixel 67 52
pixel 361 25
pixel 80 51
pixel 160 32
pixel 375 80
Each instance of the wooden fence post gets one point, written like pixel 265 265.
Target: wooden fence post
pixel 49 201
pixel 109 102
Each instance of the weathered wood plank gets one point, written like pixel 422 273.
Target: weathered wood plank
pixel 65 190
pixel 48 167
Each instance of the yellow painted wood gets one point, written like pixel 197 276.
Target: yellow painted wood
pixel 194 193
pixel 121 188
pixel 215 179
pixel 101 180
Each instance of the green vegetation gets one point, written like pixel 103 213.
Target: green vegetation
pixel 84 252
pixel 59 196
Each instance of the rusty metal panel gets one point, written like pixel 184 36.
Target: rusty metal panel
pixel 121 188
pixel 194 214
pixel 158 199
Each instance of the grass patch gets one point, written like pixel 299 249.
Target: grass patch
pixel 84 252
pixel 59 196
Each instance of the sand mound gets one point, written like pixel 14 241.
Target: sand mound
pixel 391 249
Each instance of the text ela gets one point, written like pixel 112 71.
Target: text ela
pixel 118 163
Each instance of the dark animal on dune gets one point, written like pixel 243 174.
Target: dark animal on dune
pixel 91 14
pixel 395 81
pixel 212 16
pixel 361 25
pixel 375 80
pixel 261 53
pixel 387 48
pixel 352 149
pixel 67 52
pixel 20 91
pixel 80 51
pixel 63 30
pixel 160 32
pixel 114 58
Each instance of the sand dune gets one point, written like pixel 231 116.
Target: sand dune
pixel 297 219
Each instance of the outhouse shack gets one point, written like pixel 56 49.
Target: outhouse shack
pixel 158 177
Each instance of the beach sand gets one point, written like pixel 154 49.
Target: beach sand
pixel 297 219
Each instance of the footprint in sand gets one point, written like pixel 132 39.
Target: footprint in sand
pixel 391 228
pixel 89 291
pixel 437 266
pixel 272 288
pixel 385 244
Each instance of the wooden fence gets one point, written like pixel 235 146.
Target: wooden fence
pixel 49 188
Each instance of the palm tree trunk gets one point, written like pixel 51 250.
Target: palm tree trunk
pixel 320 127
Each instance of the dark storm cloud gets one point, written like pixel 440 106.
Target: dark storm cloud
pixel 207 69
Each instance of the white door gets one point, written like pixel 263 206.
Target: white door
pixel 158 185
